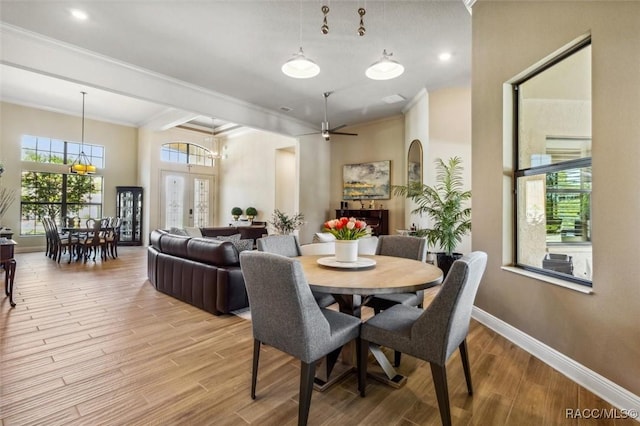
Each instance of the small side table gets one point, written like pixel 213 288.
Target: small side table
pixel 9 264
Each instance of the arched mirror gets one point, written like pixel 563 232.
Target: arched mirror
pixel 414 163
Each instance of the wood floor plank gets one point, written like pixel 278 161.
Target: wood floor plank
pixel 96 344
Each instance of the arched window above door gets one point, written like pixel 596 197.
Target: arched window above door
pixel 187 153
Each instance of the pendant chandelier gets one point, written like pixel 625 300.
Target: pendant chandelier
pixel 82 165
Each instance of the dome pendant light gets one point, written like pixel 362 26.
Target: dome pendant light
pixel 82 165
pixel 300 66
pixel 385 68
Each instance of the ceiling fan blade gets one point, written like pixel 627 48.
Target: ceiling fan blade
pixel 337 128
pixel 343 133
pixel 312 133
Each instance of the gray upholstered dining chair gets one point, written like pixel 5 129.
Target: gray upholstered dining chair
pixel 285 315
pixel 432 334
pixel 409 248
pixel 287 245
pixel 400 246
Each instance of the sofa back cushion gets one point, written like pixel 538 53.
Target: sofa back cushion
pixel 175 245
pixel 154 238
pixel 212 252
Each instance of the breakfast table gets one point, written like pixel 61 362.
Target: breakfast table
pixel 350 282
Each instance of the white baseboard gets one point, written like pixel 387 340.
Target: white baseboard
pixel 614 394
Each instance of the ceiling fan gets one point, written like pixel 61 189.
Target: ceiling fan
pixel 326 131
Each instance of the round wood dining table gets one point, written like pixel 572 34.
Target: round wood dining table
pixel 388 275
pixel 350 283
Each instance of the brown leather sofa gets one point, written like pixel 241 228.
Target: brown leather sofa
pixel 203 272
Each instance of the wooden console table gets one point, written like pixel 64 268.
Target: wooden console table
pixel 9 264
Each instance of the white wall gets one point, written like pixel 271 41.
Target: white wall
pixel 286 181
pixel 314 159
pixel 248 176
pixel 441 120
pixel 450 136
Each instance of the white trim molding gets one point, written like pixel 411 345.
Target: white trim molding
pixel 469 5
pixel 611 392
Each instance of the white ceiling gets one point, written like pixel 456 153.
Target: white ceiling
pixel 236 48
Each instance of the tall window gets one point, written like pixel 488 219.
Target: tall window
pixel 186 153
pixel 553 167
pixel 47 192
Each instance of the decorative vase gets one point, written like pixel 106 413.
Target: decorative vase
pixel 346 250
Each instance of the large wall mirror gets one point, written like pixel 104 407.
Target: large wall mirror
pixel 414 163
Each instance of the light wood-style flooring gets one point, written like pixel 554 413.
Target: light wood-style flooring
pixel 96 344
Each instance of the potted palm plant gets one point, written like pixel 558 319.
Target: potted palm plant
pixel 446 204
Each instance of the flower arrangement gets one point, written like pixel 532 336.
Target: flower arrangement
pixel 285 224
pixel 346 228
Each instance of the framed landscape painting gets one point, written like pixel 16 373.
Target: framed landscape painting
pixel 366 181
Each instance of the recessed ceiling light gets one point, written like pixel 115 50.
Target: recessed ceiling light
pixel 444 56
pixel 79 14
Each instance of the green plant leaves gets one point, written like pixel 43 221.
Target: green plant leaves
pixel 444 203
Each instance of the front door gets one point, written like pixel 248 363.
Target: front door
pixel 187 199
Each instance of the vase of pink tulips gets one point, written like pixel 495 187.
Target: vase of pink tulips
pixel 347 231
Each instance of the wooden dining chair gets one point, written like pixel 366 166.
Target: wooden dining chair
pixel 48 238
pixel 58 243
pixel 93 241
pixel 113 236
pixel 284 315
pixel 432 334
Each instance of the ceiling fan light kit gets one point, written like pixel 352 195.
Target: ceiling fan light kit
pixel 302 67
